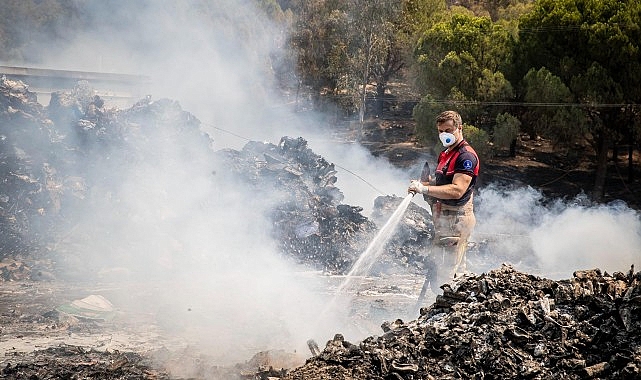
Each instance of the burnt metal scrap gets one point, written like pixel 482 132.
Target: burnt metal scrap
pixel 24 194
pixel 74 362
pixel 503 324
pixel 310 224
pixel 55 159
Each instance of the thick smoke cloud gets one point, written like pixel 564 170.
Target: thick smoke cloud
pixel 214 57
pixel 185 243
pixel 203 243
pixel 555 238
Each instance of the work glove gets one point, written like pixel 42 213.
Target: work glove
pixel 416 187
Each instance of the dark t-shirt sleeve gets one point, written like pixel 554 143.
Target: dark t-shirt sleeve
pixel 466 163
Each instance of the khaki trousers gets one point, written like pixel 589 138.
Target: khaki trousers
pixel 453 226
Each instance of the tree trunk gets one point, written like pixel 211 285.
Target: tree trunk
pixel 601 168
pixel 630 162
pixel 361 111
pixel 380 98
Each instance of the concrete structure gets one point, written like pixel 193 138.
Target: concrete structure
pixel 121 90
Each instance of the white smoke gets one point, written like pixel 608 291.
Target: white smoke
pixel 221 283
pixel 556 238
pixel 578 237
pixel 196 245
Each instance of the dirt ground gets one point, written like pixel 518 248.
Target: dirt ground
pixel 42 336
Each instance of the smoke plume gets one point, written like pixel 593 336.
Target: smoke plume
pixel 197 245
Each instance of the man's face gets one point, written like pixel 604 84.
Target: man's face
pixel 447 126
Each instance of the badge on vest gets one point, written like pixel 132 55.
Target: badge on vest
pixel 467 164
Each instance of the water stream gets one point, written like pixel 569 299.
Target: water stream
pixel 361 267
pixel 375 248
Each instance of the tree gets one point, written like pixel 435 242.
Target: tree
pixel 506 132
pixel 372 41
pixel 594 48
pixel 346 46
pixel 461 62
pixel 319 42
pixel 553 113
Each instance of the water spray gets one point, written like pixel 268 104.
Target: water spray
pixel 375 248
pixel 366 260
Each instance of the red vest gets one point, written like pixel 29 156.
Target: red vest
pixel 449 159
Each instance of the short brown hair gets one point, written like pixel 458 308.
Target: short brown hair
pixel 449 115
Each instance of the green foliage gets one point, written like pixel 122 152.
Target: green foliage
pixel 556 117
pixel 463 58
pixel 514 11
pixel 577 34
pixel 541 86
pixel 595 49
pixel 479 139
pixel 492 86
pixel 425 113
pixel 419 15
pixel 506 130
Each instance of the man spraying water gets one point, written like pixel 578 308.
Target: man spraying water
pixel 450 196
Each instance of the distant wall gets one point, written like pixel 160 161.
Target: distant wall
pixel 120 90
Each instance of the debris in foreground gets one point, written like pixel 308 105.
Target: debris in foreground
pixel 503 324
pixel 87 364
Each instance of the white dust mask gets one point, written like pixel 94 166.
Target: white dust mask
pixel 448 139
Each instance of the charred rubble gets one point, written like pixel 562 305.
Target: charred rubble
pixel 72 154
pixel 55 363
pixel 311 224
pixel 50 157
pixel 503 324
pixel 408 247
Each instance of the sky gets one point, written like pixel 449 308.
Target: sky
pixel 227 289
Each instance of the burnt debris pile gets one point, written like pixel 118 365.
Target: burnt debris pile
pixel 65 163
pixel 309 221
pixel 59 162
pixel 503 324
pixel 407 248
pixel 67 361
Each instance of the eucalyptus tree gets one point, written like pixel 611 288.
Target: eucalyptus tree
pixel 345 47
pixel 594 48
pixel 387 31
pixel 373 30
pixel 318 39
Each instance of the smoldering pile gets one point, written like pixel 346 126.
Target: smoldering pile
pixel 72 155
pixel 503 324
pixel 73 362
pixel 59 162
pixel 310 222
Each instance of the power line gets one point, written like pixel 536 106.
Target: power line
pixel 228 132
pixel 500 103
pixel 335 164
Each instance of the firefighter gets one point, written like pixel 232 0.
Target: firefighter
pixel 450 195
